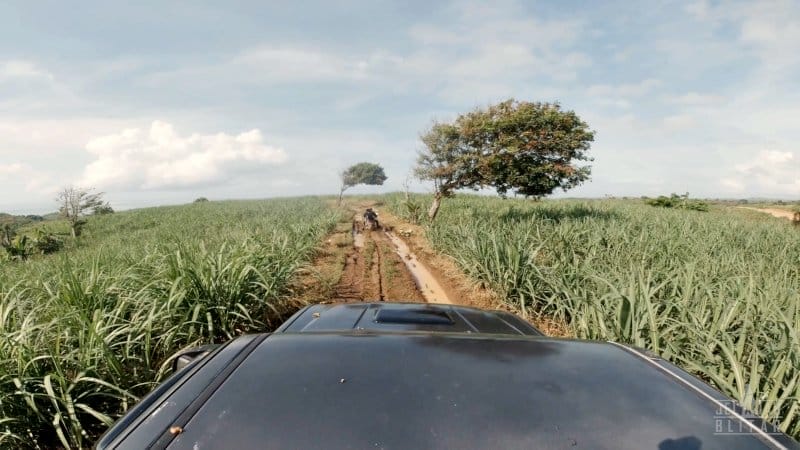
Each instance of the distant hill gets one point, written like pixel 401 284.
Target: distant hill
pixel 18 221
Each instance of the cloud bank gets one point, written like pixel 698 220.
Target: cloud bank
pixel 771 171
pixel 160 158
pixel 697 96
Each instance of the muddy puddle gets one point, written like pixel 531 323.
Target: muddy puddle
pixel 425 280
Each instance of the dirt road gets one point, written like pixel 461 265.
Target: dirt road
pixel 393 264
pixel 431 288
pixel 782 213
pixel 380 266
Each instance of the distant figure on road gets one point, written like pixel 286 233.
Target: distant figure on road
pixel 371 219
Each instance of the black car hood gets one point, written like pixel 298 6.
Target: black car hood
pixel 363 390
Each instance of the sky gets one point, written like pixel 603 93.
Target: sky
pixel 162 102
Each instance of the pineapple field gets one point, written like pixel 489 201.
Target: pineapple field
pixel 87 331
pixel 717 292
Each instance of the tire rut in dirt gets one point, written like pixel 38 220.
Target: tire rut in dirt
pixel 379 256
pixel 374 272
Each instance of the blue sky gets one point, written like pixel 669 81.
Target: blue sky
pixel 158 102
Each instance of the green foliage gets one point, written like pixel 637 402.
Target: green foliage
pixel 678 202
pixel 528 148
pixel 21 247
pixel 444 161
pixel 15 222
pixel 413 211
pixel 46 243
pixel 200 200
pixel 100 210
pixel 87 332
pixel 18 248
pixel 361 173
pixel 715 293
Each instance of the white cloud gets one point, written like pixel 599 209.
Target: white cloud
pixel 429 34
pixel 698 9
pixel 695 99
pixel 682 98
pixel 20 69
pixel 771 23
pixel 21 137
pixel 485 52
pixel 624 90
pixel 288 64
pixel 733 185
pixel 767 30
pixel 771 172
pixel 21 175
pixel 771 31
pixel 678 122
pixel 10 169
pixel 160 158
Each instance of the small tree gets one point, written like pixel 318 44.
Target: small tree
pixel 361 173
pixel 445 162
pixel 413 208
pixel 200 200
pixel 527 148
pixel 75 203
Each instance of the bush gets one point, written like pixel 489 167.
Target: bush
pixel 103 209
pixel 18 249
pixel 46 243
pixel 414 210
pixel 678 202
pixel 200 200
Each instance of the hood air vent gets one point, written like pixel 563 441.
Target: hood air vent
pixel 414 315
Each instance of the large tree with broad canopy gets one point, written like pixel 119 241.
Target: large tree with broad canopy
pixel 528 148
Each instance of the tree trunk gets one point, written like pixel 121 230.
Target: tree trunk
pixel 437 201
pixel 341 192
